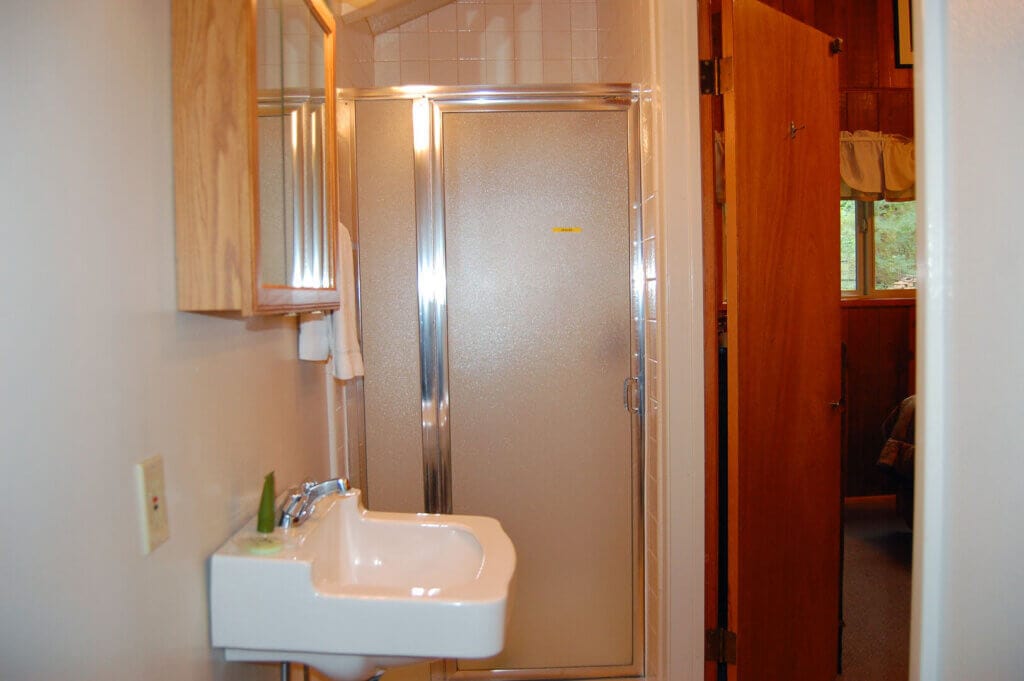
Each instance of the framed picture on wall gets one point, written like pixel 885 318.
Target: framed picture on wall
pixel 904 34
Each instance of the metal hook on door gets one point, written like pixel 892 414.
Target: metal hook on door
pixel 793 130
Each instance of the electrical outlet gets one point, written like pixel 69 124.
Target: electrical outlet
pixel 149 479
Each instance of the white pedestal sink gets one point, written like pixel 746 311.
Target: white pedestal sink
pixel 353 591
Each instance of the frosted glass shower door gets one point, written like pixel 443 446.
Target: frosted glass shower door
pixel 541 337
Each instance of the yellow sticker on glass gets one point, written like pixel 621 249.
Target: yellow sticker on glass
pixel 563 230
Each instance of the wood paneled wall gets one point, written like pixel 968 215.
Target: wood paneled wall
pixel 879 338
pixel 874 94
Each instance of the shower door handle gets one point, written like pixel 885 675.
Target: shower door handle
pixel 628 393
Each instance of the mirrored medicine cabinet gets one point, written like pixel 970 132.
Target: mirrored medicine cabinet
pixel 255 155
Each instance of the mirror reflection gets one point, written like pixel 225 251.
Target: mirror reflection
pixel 295 246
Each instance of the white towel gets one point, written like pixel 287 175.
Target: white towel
pixel 348 359
pixel 314 337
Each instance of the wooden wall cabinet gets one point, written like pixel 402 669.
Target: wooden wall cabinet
pixel 255 155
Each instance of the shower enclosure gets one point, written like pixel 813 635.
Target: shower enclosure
pixel 502 316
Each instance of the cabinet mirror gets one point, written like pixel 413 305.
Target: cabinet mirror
pixel 255 155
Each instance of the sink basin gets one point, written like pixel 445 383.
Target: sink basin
pixel 352 592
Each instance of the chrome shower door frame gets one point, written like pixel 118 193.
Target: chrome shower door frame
pixel 430 105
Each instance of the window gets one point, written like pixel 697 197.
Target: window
pixel 878 253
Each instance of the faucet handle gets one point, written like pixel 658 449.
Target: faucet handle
pixel 291 508
pixel 308 485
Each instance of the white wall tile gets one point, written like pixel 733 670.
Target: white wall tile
pixel 442 19
pixel 584 70
pixel 584 15
pixel 472 72
pixel 584 44
pixel 471 44
pixel 528 45
pixel 444 46
pixel 559 71
pixel 557 16
pixel 500 71
pixel 415 72
pixel 557 45
pixel 414 46
pixel 444 72
pixel 499 17
pixel 386 46
pixel 529 16
pixel 387 74
pixel 498 45
pixel 417 25
pixel 469 16
pixel 529 71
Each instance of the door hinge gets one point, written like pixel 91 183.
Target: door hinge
pixel 720 646
pixel 715 76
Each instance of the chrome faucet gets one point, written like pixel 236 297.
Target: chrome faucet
pixel 300 502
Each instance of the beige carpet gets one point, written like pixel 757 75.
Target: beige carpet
pixel 876 590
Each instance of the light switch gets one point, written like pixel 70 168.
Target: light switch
pixel 149 479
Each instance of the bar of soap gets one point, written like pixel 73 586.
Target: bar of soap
pixel 261 544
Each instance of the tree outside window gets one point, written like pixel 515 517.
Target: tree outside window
pixel 878 249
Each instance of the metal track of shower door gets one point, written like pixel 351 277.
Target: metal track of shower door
pixel 429 104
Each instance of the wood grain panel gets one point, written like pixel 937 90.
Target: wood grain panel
pixel 214 93
pixel 879 342
pixel 861 110
pixel 888 75
pixel 860 23
pixel 784 345
pixel 801 10
pixel 896 112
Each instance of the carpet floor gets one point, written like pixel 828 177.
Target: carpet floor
pixel 876 591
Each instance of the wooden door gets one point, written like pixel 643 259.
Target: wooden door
pixel 781 117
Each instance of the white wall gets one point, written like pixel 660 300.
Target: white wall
pixel 969 553
pixel 98 370
pixel 677 136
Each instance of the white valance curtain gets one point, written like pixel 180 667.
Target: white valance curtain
pixel 875 166
pixel 872 166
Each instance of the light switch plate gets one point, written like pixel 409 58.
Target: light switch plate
pixel 149 479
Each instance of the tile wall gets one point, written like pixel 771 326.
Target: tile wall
pixel 507 42
pixel 290 50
